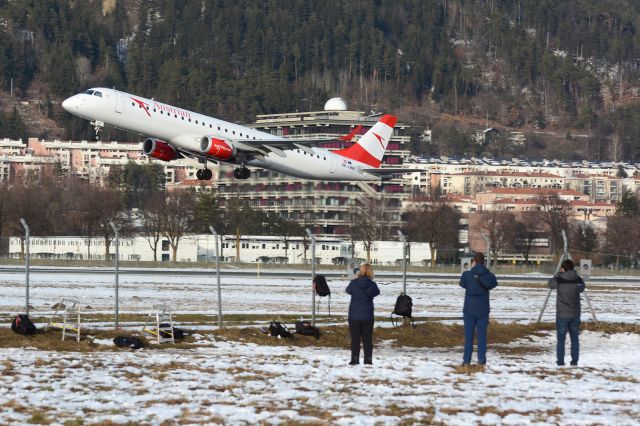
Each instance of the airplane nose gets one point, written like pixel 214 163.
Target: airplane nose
pixel 68 103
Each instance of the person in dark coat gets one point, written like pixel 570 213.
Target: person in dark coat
pixel 362 290
pixel 477 282
pixel 569 285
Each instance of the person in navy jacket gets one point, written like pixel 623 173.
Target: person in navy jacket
pixel 477 282
pixel 362 290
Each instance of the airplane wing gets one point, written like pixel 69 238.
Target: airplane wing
pixel 389 172
pixel 264 146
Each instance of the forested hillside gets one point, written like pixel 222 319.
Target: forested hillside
pixel 566 67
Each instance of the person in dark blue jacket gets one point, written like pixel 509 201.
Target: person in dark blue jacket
pixel 477 282
pixel 362 290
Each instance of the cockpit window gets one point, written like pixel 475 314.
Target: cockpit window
pixel 89 92
pixel 96 93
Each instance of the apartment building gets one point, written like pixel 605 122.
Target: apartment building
pixel 86 159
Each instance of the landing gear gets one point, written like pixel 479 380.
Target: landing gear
pixel 98 126
pixel 241 173
pixel 204 174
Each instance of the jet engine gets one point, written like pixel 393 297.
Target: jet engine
pixel 217 148
pixel 158 149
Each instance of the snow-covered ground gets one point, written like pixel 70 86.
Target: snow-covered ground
pixel 241 383
pixel 290 296
pixel 238 383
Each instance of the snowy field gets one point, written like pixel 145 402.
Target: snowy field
pixel 228 382
pixel 234 383
pixel 291 296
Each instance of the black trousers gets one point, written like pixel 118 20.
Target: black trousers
pixel 361 330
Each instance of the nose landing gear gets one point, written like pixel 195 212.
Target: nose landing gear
pixel 241 173
pixel 98 126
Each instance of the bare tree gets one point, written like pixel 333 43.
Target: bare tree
pixel 108 208
pixel 177 218
pixel 554 212
pixel 151 227
pixel 527 230
pixel 500 228
pixel 30 202
pixel 584 239
pixel 240 219
pixel 364 221
pixel 623 238
pixel 434 222
pixel 287 229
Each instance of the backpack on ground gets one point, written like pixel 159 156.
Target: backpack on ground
pixel 305 328
pixel 178 334
pixel 322 289
pixel 278 329
pixel 21 324
pixel 403 308
pixel 128 342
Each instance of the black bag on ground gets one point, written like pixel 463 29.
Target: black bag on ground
pixel 23 325
pixel 403 308
pixel 278 329
pixel 178 334
pixel 306 329
pixel 128 342
pixel 321 286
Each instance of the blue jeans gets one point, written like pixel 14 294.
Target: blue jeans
pixel 471 323
pixel 572 325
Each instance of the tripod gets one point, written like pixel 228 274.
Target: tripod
pixel 565 256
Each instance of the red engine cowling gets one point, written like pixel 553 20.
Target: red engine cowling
pixel 158 149
pixel 217 148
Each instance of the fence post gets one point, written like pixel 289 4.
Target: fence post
pixel 116 266
pixel 217 253
pixel 403 239
pixel 26 259
pixel 313 275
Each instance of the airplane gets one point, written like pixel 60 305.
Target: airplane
pixel 174 133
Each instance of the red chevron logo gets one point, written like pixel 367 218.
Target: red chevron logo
pixel 379 139
pixel 142 105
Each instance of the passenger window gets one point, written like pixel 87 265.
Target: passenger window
pixel 89 92
pixel 98 94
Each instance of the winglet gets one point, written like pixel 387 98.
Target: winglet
pixel 371 146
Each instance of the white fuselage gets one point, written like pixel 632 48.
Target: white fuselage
pixel 184 130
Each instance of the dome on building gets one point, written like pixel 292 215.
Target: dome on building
pixel 335 104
